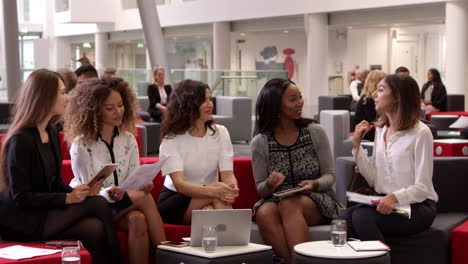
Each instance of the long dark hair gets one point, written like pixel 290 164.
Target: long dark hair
pixel 439 93
pixel 406 100
pixel 35 102
pixel 269 105
pixel 184 109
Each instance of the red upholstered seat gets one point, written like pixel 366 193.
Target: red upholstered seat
pixel 247 197
pixel 459 240
pixel 459 113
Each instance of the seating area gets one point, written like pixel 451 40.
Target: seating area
pixel 451 218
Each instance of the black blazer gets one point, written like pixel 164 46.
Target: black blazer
pixel 154 98
pixel 366 112
pixel 438 96
pixel 24 206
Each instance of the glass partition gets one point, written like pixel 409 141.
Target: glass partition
pixel 229 83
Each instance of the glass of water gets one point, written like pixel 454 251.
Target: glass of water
pixel 338 232
pixel 71 255
pixel 209 238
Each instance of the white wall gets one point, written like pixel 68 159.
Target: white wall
pixel 255 42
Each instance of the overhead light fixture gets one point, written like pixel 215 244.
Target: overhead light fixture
pixel 86 45
pixel 197 37
pixel 140 45
pixel 285 31
pixel 242 34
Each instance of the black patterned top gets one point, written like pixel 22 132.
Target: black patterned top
pixel 309 158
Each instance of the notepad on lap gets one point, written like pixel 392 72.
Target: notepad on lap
pixel 375 245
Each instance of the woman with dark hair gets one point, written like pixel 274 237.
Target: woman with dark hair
pixel 101 115
pixel 35 204
pixel 400 167
pixel 433 93
pixel 158 94
pixel 195 149
pixel 290 151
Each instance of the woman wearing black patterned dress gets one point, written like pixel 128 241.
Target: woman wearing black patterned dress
pixel 290 151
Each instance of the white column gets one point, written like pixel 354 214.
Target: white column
pixel 316 28
pixel 456 26
pixel 10 48
pixel 154 38
pixel 221 45
pixel 102 44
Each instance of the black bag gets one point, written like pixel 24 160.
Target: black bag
pixel 359 185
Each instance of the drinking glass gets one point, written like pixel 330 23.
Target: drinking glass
pixel 209 238
pixel 338 232
pixel 71 255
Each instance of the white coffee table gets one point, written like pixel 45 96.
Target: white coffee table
pixel 323 252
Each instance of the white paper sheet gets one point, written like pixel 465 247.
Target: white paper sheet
pixel 404 210
pixel 21 252
pixel 142 176
pixel 461 122
pixel 373 245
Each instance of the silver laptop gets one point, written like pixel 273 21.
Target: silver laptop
pixel 232 226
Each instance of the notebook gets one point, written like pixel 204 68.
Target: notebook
pixel 232 226
pixel 375 245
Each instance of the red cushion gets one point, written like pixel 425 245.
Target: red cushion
pixel 67 172
pixel 248 194
pixel 64 146
pixel 138 137
pixel 458 241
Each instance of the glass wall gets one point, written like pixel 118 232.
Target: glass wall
pixel 193 53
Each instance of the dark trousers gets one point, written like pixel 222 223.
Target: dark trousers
pixel 365 223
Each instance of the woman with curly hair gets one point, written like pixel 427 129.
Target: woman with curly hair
pixel 195 149
pixel 365 109
pixel 100 114
pixel 34 202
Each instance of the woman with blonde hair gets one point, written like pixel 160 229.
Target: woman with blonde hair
pixel 158 94
pixel 365 109
pixel 100 114
pixel 35 204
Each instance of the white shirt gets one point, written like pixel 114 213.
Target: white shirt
pixel 354 91
pixel 428 93
pixel 162 94
pixel 87 159
pixel 198 158
pixel 404 168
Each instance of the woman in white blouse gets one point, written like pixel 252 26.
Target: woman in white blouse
pixel 100 114
pixel 196 149
pixel 401 165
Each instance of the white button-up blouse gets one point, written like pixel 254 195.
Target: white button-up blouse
pixel 403 167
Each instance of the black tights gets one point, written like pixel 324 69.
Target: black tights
pixel 91 222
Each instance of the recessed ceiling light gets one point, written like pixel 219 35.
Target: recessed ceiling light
pixel 285 31
pixel 197 37
pixel 242 34
pixel 350 27
pixel 174 38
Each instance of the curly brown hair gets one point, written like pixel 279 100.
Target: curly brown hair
pixel 85 104
pixel 184 109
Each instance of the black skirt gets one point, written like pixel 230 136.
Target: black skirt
pixel 172 206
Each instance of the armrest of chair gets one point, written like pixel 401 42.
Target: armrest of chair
pixel 458 241
pixel 344 173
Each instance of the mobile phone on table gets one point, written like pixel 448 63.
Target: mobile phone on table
pixel 174 244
